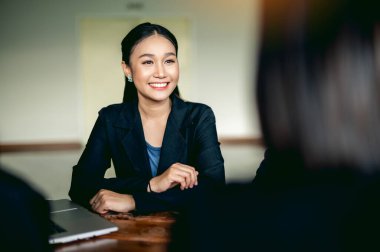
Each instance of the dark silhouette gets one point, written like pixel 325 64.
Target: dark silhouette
pixel 318 93
pixel 24 216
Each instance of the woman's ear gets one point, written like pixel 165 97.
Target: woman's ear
pixel 126 69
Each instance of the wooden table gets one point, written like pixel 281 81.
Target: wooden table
pixel 136 233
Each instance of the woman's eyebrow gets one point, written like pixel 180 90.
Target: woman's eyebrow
pixel 146 55
pixel 152 55
pixel 170 54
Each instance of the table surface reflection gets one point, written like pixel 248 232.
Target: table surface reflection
pixel 136 233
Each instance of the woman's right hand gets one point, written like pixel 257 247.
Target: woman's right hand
pixel 177 174
pixel 106 200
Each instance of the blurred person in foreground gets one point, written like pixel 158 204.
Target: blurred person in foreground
pixel 24 216
pixel 318 93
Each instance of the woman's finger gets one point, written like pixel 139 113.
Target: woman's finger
pixel 177 178
pixel 192 173
pixel 187 175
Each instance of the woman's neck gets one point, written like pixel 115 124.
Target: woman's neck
pixel 154 110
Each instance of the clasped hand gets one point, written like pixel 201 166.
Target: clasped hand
pixel 177 174
pixel 105 201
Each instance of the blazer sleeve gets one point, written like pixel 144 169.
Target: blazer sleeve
pixel 88 175
pixel 208 156
pixel 208 162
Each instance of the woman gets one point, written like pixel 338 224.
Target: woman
pixel 163 149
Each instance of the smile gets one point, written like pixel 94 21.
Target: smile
pixel 159 85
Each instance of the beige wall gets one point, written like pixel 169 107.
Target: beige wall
pixel 42 76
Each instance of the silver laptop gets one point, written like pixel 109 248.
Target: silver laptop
pixel 70 222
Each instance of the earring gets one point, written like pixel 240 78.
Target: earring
pixel 129 78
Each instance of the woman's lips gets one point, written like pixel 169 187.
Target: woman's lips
pixel 159 85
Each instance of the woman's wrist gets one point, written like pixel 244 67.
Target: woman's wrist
pixel 152 186
pixel 132 203
pixel 149 187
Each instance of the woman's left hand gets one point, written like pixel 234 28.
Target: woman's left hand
pixel 105 201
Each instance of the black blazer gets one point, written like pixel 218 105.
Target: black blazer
pixel 190 138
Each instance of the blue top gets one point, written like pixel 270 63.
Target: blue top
pixel 154 157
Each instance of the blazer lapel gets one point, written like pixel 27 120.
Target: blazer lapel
pixel 134 140
pixel 174 144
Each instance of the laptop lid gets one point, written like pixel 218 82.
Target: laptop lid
pixel 71 222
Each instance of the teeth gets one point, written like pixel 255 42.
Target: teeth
pixel 158 85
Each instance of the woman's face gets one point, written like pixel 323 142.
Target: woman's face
pixel 154 68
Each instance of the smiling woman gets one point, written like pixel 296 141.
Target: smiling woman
pixel 101 79
pixel 153 68
pixel 164 150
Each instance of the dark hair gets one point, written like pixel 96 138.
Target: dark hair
pixel 135 36
pixel 318 87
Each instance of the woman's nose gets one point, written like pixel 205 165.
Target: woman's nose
pixel 160 71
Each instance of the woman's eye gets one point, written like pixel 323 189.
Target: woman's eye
pixel 147 62
pixel 170 61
